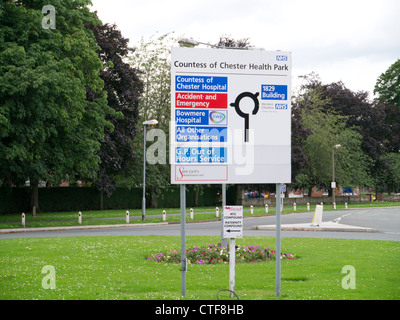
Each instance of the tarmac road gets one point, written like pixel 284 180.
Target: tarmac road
pixel 386 221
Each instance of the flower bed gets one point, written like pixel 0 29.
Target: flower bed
pixel 213 254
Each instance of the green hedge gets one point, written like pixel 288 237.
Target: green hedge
pixel 16 200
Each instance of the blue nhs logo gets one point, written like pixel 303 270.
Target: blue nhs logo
pixel 281 58
pixel 280 106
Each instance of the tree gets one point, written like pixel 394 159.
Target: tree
pixel 391 136
pixel 152 58
pixel 378 122
pixel 299 132
pixel 390 172
pixel 324 129
pixel 123 87
pixel 228 42
pixel 387 89
pixel 51 124
pixel 387 86
pixel 361 114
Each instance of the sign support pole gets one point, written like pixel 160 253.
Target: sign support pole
pixel 183 239
pixel 144 175
pixel 224 241
pixel 278 240
pixel 232 246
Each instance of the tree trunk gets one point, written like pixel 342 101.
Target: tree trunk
pixel 35 197
pixel 310 191
pixel 239 194
pixel 196 195
pixel 101 204
pixel 153 199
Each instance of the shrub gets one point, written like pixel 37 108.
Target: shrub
pixel 213 254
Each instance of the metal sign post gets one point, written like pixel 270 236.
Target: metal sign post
pixel 278 240
pixel 232 259
pixel 224 241
pixel 183 240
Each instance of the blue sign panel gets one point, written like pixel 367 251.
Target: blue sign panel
pixel 201 84
pixel 200 117
pixel 191 117
pixel 273 92
pixel 201 134
pixel 200 155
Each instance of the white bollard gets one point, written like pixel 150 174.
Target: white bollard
pixel 322 204
pixel 345 205
pixel 266 208
pixel 294 206
pixel 308 206
pixel 80 217
pixel 217 212
pixel 23 219
pixel 127 216
pixel 191 213
pixel 334 206
pixel 317 218
pixel 164 215
pixel 251 209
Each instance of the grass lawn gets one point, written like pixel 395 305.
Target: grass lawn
pixel 116 267
pixel 94 217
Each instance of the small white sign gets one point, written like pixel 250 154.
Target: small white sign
pixel 233 222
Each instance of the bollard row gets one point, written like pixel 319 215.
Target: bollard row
pixel 164 213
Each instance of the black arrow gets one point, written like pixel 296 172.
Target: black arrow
pixel 233 230
pixel 246 115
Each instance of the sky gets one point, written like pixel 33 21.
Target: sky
pixel 353 41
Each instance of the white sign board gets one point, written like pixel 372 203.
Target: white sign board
pixel 233 222
pixel 230 116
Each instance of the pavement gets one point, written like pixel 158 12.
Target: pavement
pixel 324 226
pixel 334 226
